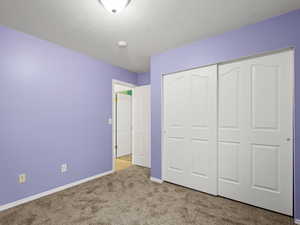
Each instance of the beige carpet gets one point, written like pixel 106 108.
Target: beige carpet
pixel 128 197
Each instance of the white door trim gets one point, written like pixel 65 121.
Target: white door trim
pixel 129 85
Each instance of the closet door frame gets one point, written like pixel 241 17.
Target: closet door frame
pixel 112 118
pixel 292 66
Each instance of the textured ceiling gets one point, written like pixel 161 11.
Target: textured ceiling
pixel 149 26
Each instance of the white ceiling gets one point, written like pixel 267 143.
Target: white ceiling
pixel 149 26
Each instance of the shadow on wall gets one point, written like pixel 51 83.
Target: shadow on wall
pixel 54 105
pixel 143 78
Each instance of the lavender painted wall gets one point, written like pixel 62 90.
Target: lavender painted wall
pixel 273 34
pixel 143 78
pixel 54 107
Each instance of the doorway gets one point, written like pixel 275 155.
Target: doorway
pixel 122 125
pixel 130 125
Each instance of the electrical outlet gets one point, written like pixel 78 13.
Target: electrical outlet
pixel 22 178
pixel 109 121
pixel 64 168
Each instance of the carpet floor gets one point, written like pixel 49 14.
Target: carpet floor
pixel 128 197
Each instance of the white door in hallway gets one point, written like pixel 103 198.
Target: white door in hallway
pixel 141 126
pixel 123 113
pixel 256 132
pixel 190 129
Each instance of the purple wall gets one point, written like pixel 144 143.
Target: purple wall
pixel 54 107
pixel 143 78
pixel 273 34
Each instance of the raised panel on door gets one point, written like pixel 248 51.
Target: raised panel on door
pixel 229 89
pixel 265 167
pixel 200 161
pixel 264 98
pixel 229 162
pixel 203 131
pixel 175 128
pixel 230 84
pixel 141 126
pixel 176 147
pixel 263 139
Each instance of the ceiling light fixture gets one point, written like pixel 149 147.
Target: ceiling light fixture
pixel 122 44
pixel 115 6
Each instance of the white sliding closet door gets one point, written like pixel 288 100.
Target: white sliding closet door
pixel 141 126
pixel 255 131
pixel 190 129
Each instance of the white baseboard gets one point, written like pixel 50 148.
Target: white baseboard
pixel 61 188
pixel 156 180
pixel 297 221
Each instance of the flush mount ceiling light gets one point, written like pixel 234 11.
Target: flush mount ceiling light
pixel 114 6
pixel 122 44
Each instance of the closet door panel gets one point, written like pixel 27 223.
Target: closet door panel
pixel 230 137
pixel 175 128
pixel 203 132
pixel 255 131
pixel 271 131
pixel 190 118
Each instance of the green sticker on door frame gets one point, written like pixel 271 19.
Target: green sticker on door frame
pixel 127 92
